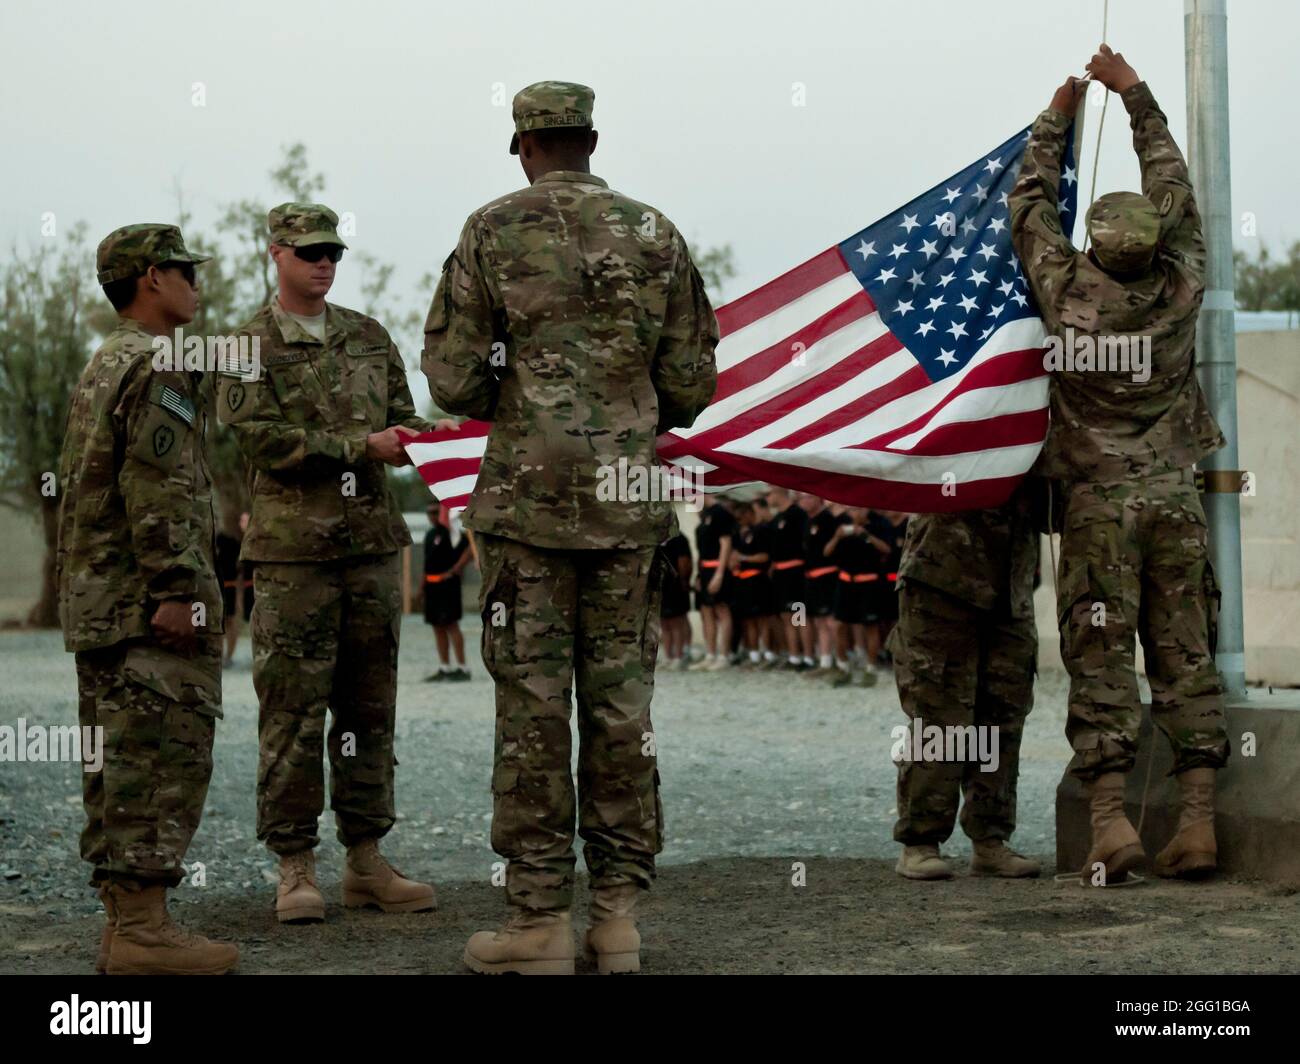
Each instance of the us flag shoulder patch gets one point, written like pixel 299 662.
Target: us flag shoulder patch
pixel 176 404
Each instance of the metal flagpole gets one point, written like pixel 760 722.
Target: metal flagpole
pixel 1205 27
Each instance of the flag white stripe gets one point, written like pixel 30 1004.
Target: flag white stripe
pixel 789 318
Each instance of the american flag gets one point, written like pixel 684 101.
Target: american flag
pixel 900 369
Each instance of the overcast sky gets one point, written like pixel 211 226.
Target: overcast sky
pixel 405 107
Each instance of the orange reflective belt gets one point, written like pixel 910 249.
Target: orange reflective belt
pixel 437 578
pixel 745 574
pixel 790 564
pixel 859 578
pixel 892 577
pixel 711 563
pixel 823 571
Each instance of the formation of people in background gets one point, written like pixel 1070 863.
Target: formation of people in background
pixel 786 581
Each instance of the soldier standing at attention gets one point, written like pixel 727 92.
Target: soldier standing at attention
pixel 1122 445
pixel 573 319
pixel 140 604
pixel 316 430
pixel 965 653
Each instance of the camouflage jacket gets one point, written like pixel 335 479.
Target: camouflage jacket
pixel 302 428
pixel 984 557
pixel 136 525
pixel 1106 425
pixel 573 319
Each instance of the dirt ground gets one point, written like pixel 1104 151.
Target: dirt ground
pixel 760 770
pixel 742 915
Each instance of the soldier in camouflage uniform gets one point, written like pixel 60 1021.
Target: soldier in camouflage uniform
pixel 572 318
pixel 316 428
pixel 139 602
pixel 1133 547
pixel 965 652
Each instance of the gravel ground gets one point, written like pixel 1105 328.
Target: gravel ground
pixel 759 770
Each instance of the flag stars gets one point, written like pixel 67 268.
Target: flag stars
pixel 988 251
pixel 1006 286
pixel 928 248
pixel 903 307
pixel 968 227
pixel 925 328
pixel 898 251
pixel 955 253
pixel 951 194
pixel 997 309
pixel 944 280
pixel 979 277
pixel 909 223
pixel 1020 299
pixel 885 275
pixel 997 224
pixel 957 329
pixel 993 165
pixel 946 357
pixel 916 280
pixel 935 304
pixel 980 193
pixel 1002 199
pixel 986 334
pixel 865 249
pixel 942 222
pixel 1069 177
pixel 967 303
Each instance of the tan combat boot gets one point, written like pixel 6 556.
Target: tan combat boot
pixel 297 898
pixel 1115 844
pixel 368 879
pixel 993 857
pixel 1192 853
pixel 147 942
pixel 110 925
pixel 922 862
pixel 532 942
pixel 612 942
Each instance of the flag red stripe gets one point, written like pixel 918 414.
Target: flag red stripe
pixel 904 384
pixel 777 293
pixel 1005 430
pixel 762 365
pixel 1010 367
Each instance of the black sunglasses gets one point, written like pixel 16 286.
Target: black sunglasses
pixel 186 270
pixel 316 252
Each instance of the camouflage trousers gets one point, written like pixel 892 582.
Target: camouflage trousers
pixel 325 638
pixel 1134 561
pixel 553 620
pixel 960 667
pixel 159 712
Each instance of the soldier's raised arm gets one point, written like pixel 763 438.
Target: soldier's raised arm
pixel 1047 255
pixel 459 335
pixel 1165 180
pixel 159 423
pixel 685 372
pixel 272 443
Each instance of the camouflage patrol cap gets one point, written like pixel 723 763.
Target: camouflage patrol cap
pixel 1124 228
pixel 298 225
pixel 131 250
pixel 551 105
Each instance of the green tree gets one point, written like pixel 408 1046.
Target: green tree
pixel 48 323
pixel 1265 283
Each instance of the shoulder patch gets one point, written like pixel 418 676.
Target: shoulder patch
pixel 1166 203
pixel 175 404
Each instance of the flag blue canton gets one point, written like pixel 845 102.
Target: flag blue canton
pixel 942 271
